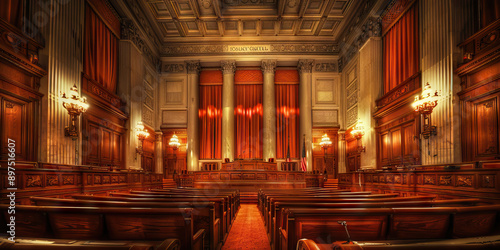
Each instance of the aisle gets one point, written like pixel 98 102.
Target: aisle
pixel 248 231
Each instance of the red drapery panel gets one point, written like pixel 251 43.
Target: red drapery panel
pixel 11 11
pixel 210 114
pixel 101 52
pixel 248 114
pixel 490 11
pixel 401 58
pixel 287 113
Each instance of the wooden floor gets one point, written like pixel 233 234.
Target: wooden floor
pixel 248 231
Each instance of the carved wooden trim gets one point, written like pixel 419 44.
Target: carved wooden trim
pixel 411 84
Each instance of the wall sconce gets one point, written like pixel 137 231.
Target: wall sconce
pixel 424 104
pixel 142 134
pixel 358 131
pixel 75 106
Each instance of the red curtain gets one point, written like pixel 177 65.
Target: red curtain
pixel 248 114
pixel 401 58
pixel 210 114
pixel 287 113
pixel 11 11
pixel 101 52
pixel 490 11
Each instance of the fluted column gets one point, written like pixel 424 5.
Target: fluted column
pixel 193 147
pixel 158 152
pixel 305 108
pixel 269 110
pixel 228 69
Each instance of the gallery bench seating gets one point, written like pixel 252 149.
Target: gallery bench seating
pixel 378 224
pixel 277 215
pixel 206 215
pixel 221 203
pixel 227 200
pixel 108 223
pixel 64 244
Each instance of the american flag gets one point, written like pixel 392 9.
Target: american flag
pixel 303 161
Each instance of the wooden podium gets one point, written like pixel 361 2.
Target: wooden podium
pixel 249 165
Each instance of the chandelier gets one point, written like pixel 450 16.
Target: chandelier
pixel 325 141
pixel 75 106
pixel 174 142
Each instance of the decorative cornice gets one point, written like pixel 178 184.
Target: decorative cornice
pixel 268 66
pixel 325 67
pixel 180 49
pixel 193 67
pixel 305 66
pixel 16 60
pixel 172 67
pixel 228 67
pixel 130 32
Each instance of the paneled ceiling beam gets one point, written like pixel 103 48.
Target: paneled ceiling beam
pixel 326 12
pixel 277 27
pixel 240 27
pixel 303 7
pixel 258 27
pixel 217 8
pixel 220 24
pixel 195 7
pixel 281 7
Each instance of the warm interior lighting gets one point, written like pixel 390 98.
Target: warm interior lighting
pixel 142 134
pixel 325 141
pixel 174 142
pixel 424 104
pixel 75 106
pixel 357 132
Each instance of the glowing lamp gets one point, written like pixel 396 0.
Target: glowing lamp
pixel 75 106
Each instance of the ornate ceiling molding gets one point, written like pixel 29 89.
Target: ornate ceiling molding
pixel 250 49
pixel 130 32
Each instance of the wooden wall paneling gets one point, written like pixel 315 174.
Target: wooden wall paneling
pixel 479 98
pixel 485 121
pixel 117 150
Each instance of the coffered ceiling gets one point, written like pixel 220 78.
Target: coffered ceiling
pixel 249 20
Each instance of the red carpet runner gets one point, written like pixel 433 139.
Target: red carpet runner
pixel 248 231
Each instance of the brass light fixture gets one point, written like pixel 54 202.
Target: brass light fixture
pixel 142 134
pixel 174 142
pixel 75 106
pixel 325 144
pixel 357 132
pixel 424 104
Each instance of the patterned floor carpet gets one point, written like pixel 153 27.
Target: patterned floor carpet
pixel 248 231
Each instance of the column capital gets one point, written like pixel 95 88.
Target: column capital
pixel 158 136
pixel 305 65
pixel 268 66
pixel 228 67
pixel 193 67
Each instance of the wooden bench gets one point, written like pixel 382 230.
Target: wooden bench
pixel 206 215
pixel 230 215
pixel 377 224
pixel 63 244
pixel 108 223
pixel 278 217
pixel 220 202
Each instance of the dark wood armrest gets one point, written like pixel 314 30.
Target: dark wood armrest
pixel 306 244
pixel 198 239
pixel 170 244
